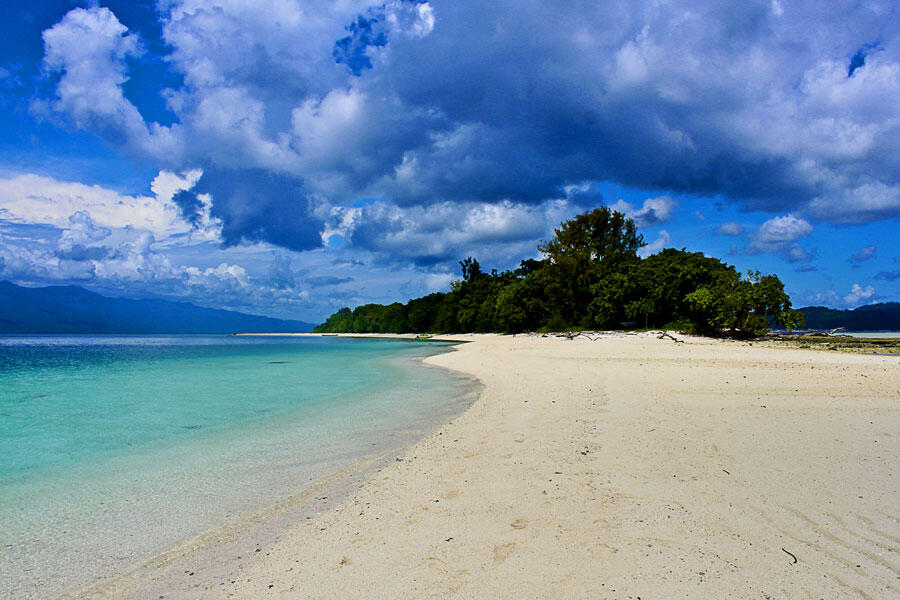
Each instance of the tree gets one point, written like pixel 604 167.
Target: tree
pixel 422 313
pixel 640 310
pixel 666 278
pixel 598 236
pixel 744 307
pixel 584 251
pixel 471 270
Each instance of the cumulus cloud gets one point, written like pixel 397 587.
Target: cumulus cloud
pixel 859 295
pixel 89 49
pixel 78 242
pixel 653 212
pixel 864 254
pixel 425 103
pixel 779 235
pixel 782 229
pixel 39 263
pixel 29 199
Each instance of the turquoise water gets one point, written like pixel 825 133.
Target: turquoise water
pixel 114 448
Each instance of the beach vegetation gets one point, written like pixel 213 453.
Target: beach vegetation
pixel 589 276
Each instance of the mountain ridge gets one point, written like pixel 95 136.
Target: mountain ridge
pixel 871 317
pixel 73 309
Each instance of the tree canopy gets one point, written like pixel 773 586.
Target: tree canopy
pixel 589 277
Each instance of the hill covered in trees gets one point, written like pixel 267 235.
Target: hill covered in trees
pixel 590 277
pixel 874 317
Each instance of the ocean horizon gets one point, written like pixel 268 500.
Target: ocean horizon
pixel 115 448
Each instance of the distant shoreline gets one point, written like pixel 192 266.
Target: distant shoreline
pixel 876 343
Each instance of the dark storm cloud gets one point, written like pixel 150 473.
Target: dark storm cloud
pixel 191 206
pixel 256 205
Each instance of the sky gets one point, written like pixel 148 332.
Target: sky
pixel 291 157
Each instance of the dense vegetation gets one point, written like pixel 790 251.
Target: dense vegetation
pixel 884 316
pixel 590 277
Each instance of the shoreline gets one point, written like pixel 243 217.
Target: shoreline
pixel 262 474
pixel 619 467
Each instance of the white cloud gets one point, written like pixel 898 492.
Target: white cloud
pixel 857 202
pixel 858 295
pixel 782 229
pixel 166 184
pixel 779 235
pixel 661 241
pixel 89 48
pixel 31 199
pixel 31 263
pixel 438 282
pixel 82 230
pixel 653 211
pixel 445 232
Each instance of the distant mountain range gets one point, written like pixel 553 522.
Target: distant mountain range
pixel 71 309
pixel 873 317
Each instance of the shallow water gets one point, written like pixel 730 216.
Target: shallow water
pixel 872 334
pixel 114 448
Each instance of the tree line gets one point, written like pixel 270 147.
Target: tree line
pixel 589 277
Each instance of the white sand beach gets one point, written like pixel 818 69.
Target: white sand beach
pixel 624 467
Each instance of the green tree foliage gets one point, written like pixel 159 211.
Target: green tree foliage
pixel 743 306
pixel 584 253
pixel 590 276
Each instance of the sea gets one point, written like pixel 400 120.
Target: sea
pixel 872 335
pixel 115 448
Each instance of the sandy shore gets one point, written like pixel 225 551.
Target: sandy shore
pixel 626 467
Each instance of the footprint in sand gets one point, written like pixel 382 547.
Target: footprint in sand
pixel 502 552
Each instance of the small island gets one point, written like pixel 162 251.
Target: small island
pixel 590 277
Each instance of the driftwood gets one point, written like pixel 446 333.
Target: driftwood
pixel 666 334
pixel 571 335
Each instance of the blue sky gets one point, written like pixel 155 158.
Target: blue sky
pixel 289 157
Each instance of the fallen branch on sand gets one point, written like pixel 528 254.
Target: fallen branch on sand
pixel 666 334
pixel 791 554
pixel 571 335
